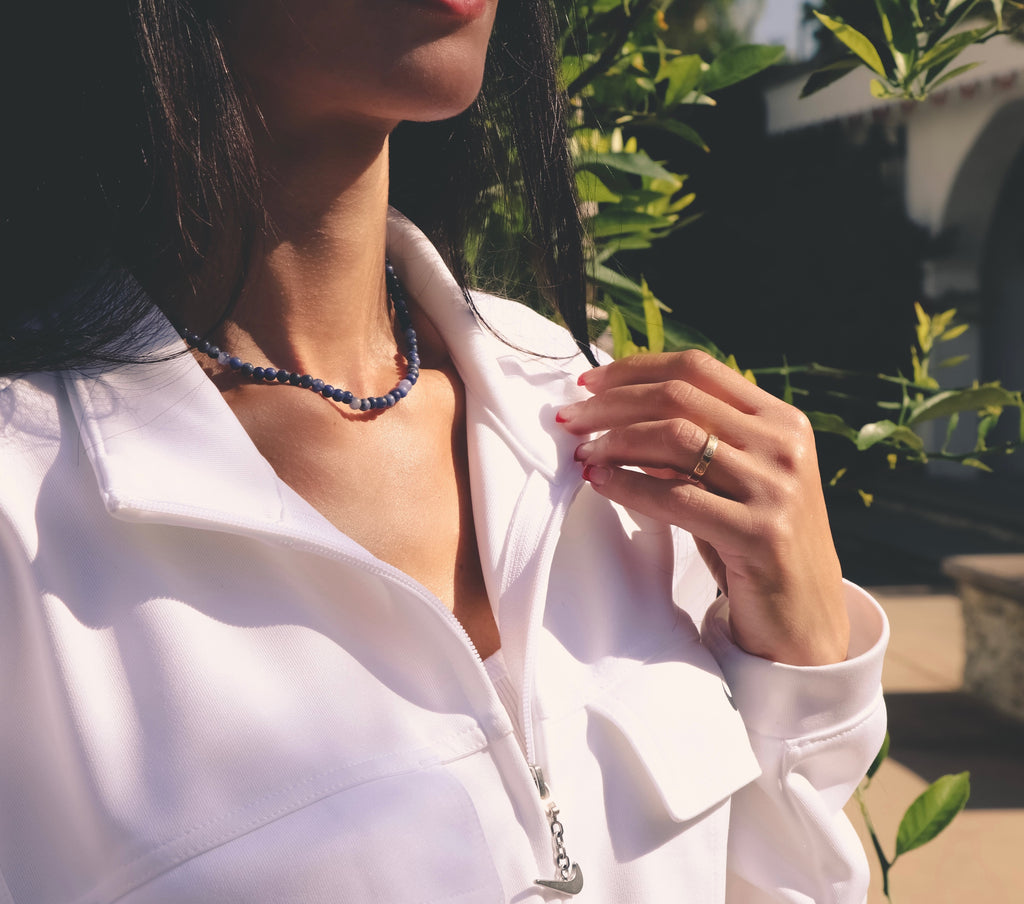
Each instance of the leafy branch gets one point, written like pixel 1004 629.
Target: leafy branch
pixel 625 86
pixel 922 400
pixel 932 811
pixel 909 44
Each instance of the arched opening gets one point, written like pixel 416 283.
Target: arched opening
pixel 1001 314
pixel 978 185
pixel 983 222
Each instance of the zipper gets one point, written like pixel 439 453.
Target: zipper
pixel 569 875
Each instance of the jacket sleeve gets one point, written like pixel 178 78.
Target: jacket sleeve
pixel 815 731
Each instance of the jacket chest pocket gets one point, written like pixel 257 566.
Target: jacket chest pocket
pixel 678 734
pixel 412 838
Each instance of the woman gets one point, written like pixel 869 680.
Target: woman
pixel 428 632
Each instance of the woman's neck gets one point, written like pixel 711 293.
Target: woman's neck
pixel 315 300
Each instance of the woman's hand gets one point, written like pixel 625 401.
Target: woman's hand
pixel 757 514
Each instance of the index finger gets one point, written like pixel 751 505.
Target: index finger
pixel 692 366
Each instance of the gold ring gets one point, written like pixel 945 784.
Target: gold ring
pixel 705 456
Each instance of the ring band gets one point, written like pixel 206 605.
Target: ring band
pixel 705 456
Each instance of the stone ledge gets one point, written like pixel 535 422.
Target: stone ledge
pixel 991 589
pixel 996 573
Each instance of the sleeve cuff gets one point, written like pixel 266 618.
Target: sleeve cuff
pixel 788 701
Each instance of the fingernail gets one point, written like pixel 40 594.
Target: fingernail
pixel 596 475
pixel 560 418
pixel 582 381
pixel 583 451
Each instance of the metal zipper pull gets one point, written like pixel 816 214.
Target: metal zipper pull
pixel 571 876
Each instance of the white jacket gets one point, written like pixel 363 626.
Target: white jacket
pixel 210 694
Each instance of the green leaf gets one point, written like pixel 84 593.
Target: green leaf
pixel 616 282
pixel 943 52
pixel 571 68
pixel 825 76
pixel 954 361
pixel 592 189
pixel 615 221
pixel 898 24
pixel 886 431
pixel 951 425
pixel 676 128
pixel 943 404
pixel 880 758
pixel 932 811
pixel 637 164
pixel 739 63
pixel 954 333
pixel 976 463
pixel 826 422
pixel 679 336
pixel 653 320
pixel 683 75
pixel 622 341
pixel 952 74
pixel 853 39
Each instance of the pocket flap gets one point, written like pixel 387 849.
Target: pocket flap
pixel 678 720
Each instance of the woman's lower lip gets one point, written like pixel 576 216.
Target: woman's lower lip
pixel 462 9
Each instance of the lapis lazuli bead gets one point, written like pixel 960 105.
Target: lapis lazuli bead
pixel 364 404
pixel 257 373
pixel 234 363
pixel 328 391
pixel 317 385
pixel 293 379
pixel 305 381
pixel 246 369
pixel 356 404
pixel 269 373
pixel 283 376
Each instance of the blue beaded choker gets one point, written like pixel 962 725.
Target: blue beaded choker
pixel 305 381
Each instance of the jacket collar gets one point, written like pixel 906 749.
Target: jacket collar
pixel 165 445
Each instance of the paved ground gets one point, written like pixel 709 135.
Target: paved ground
pixel 935 730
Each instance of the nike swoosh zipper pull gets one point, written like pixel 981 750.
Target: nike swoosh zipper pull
pixel 570 876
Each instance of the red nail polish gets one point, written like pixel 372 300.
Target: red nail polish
pixel 559 419
pixel 582 380
pixel 586 471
